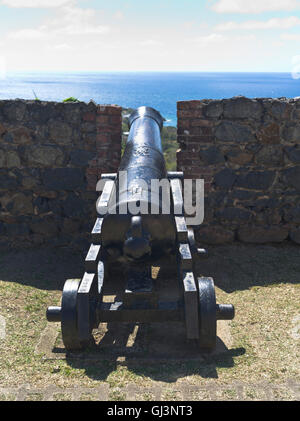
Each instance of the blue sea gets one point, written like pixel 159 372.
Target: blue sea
pixel 160 90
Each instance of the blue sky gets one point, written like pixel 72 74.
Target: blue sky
pixel 156 35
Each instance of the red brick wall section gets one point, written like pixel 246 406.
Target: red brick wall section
pixel 108 120
pixel 248 152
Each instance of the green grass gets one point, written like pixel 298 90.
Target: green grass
pixel 71 99
pixel 262 354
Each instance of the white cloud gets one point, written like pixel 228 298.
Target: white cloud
pixel 69 20
pixel 119 15
pixel 274 23
pixel 41 4
pixel 62 47
pixel 27 34
pixel 210 39
pixel 188 24
pixel 254 6
pixel 290 37
pixel 150 43
pixel 73 20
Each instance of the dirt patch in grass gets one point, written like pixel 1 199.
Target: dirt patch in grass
pixel 260 354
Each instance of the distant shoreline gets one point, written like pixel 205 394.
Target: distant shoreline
pixel 160 90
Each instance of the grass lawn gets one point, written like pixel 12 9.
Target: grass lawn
pixel 257 357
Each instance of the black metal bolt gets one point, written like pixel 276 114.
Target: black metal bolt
pixel 202 252
pixel 53 314
pixel 225 312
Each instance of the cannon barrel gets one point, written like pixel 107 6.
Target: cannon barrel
pixel 131 229
pixel 143 158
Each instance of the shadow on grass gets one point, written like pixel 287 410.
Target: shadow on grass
pixel 239 266
pixel 233 267
pixel 149 356
pixel 44 268
pixel 165 371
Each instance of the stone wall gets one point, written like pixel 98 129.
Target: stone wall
pixel 51 155
pixel 248 152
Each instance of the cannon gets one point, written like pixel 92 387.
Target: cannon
pixel 134 232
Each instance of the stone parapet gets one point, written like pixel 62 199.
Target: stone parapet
pixel 248 152
pixel 51 156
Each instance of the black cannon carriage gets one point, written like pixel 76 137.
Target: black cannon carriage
pixel 134 232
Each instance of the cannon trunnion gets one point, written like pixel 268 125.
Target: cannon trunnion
pixel 134 232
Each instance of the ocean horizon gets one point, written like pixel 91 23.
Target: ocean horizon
pixel 160 90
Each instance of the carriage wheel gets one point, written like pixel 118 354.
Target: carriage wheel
pixel 69 323
pixel 207 313
pixel 69 315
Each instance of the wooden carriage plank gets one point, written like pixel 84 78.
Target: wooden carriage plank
pixel 96 232
pixel 185 256
pixel 103 201
pixel 191 306
pixel 92 258
pixel 181 228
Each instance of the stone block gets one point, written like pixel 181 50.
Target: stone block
pixel 214 109
pixel 295 235
pixel 20 135
pixel 281 109
pixel 214 235
pixel 63 179
pixel 13 160
pixel 46 156
pixel 8 180
pixel 60 132
pixel 2 129
pixel 256 180
pixel 47 227
pixel 269 134
pixel 291 134
pixel 225 178
pixel 234 215
pixel 239 157
pixel 292 176
pixel 293 154
pixel 211 156
pixel 41 205
pixel 17 229
pixel 14 110
pixel 71 226
pixel 228 131
pixel 2 158
pixel 20 204
pixel 262 235
pixel 81 157
pixel 39 112
pixel 73 206
pixel 270 156
pixel 242 108
pixel 293 215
